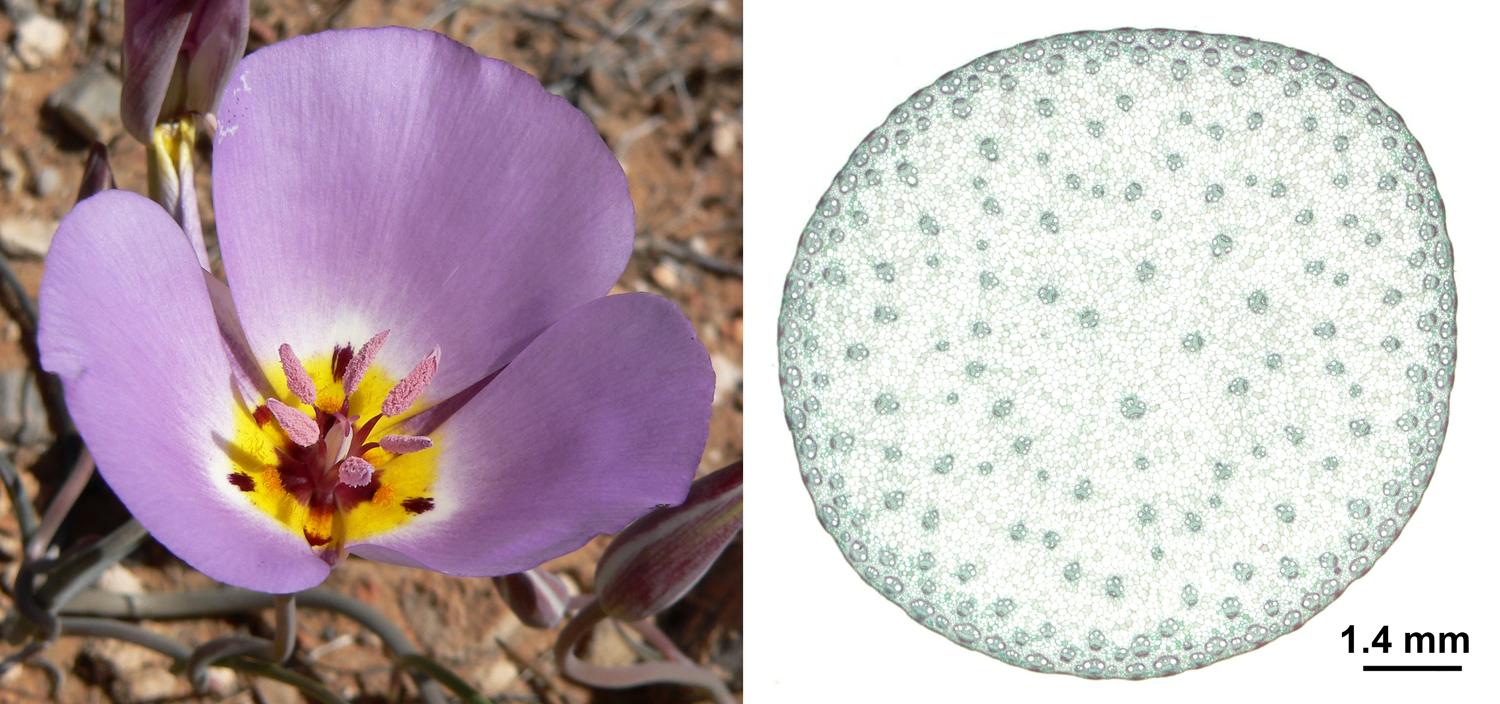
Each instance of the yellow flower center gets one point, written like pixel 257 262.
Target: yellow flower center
pixel 317 490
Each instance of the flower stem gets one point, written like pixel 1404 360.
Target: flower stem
pixel 20 299
pixel 75 572
pixel 25 512
pixel 453 682
pixel 286 628
pixel 184 605
pixel 221 648
pixel 67 495
pixel 108 628
pixel 170 181
pixel 654 636
pixel 686 673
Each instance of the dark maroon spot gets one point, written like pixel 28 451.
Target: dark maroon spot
pixel 263 415
pixel 242 481
pixel 420 504
pixel 314 540
pixel 341 356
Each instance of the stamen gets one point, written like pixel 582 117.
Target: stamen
pixel 297 380
pixel 402 444
pixel 354 471
pixel 355 373
pixel 301 429
pixel 405 394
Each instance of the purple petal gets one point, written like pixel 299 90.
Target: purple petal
pixel 651 564
pixel 393 179
pixel 153 37
pixel 214 43
pixel 598 421
pixel 127 323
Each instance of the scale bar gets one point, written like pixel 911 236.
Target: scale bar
pixel 1413 668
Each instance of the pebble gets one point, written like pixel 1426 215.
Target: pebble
pixel 112 659
pixel 153 684
pixel 39 40
pixel 726 138
pixel 22 236
pixel 12 170
pixel 49 182
pixel 727 376
pixel 273 692
pixel 222 681
pixel 608 648
pixel 667 275
pixel 90 104
pixel 497 678
pixel 118 579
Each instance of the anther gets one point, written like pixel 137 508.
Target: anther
pixel 355 373
pixel 301 429
pixel 406 392
pixel 403 444
pixel 354 471
pixel 297 380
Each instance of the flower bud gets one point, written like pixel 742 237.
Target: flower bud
pixel 178 55
pixel 537 596
pixel 657 559
pixel 97 175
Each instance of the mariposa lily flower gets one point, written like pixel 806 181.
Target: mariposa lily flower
pixel 178 56
pixel 414 359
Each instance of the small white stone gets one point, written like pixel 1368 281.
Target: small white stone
pixel 273 692
pixel 497 678
pixel 119 580
pixel 39 40
pixel 23 236
pixel 666 275
pixel 727 377
pixel 49 183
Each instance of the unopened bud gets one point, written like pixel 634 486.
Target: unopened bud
pixel 656 560
pixel 537 596
pixel 97 175
pixel 178 56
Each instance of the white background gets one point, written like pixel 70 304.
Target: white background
pixel 820 75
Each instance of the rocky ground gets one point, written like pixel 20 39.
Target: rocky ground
pixel 661 81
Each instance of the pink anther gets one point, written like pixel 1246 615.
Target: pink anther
pixel 297 381
pixel 402 444
pixel 354 471
pixel 301 429
pixel 406 392
pixel 355 373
